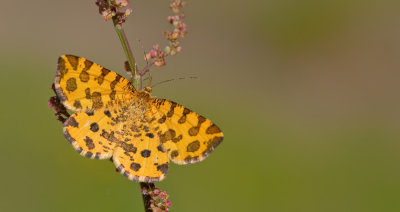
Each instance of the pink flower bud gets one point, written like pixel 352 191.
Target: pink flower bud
pixel 173 36
pixel 128 11
pixel 159 63
pixel 121 3
pixel 157 209
pixel 153 53
pixel 167 49
pixel 173 52
pixel 163 195
pixel 147 56
pixel 107 16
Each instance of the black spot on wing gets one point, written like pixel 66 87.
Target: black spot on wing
pixel 107 113
pixel 135 166
pixel 71 84
pixel 73 60
pixel 150 135
pixel 87 93
pixel 160 148
pixel 128 147
pixel 193 146
pixel 89 143
pixel 171 109
pixel 104 72
pixel 213 129
pixel 212 144
pixel 163 168
pixel 89 154
pixel 174 154
pixel 97 156
pixel 90 113
pixel 77 104
pixel 84 76
pixel 94 127
pixel 71 122
pixel 145 153
pixel 162 119
pixel 88 64
pixel 97 101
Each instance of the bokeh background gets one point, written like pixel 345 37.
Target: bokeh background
pixel 306 92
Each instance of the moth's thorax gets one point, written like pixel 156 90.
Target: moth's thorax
pixel 141 104
pixel 138 108
pixel 137 111
pixel 134 116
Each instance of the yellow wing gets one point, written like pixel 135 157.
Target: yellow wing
pixel 83 85
pixel 147 163
pixel 130 141
pixel 92 133
pixel 187 136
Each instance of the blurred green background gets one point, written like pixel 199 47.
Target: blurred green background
pixel 306 92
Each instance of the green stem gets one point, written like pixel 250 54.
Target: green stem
pixel 126 47
pixel 128 52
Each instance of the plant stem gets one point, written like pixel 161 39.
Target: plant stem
pixel 147 198
pixel 125 45
pixel 131 62
pixel 128 52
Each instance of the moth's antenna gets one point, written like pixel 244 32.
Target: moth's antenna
pixel 170 80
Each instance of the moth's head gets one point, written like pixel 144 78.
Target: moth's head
pixel 147 90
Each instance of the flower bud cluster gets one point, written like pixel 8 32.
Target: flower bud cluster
pixel 157 55
pixel 159 199
pixel 176 5
pixel 179 31
pixel 114 10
